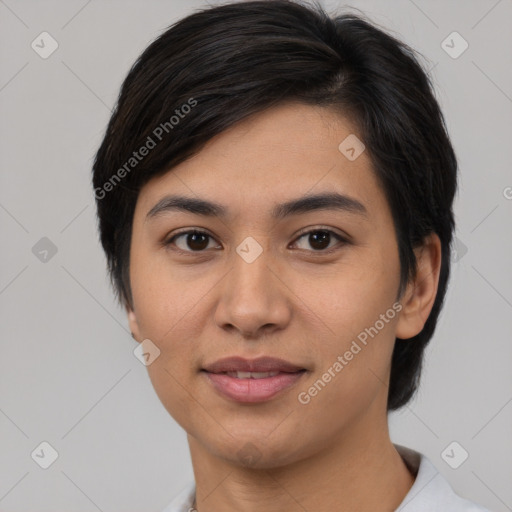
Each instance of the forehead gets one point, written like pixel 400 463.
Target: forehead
pixel 284 152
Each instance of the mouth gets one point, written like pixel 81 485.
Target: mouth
pixel 252 381
pixel 253 375
pixel 251 387
pixel 263 364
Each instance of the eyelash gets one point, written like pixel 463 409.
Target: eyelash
pixel 342 240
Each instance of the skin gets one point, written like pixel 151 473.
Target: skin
pixel 292 302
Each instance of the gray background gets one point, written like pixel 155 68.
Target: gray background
pixel 68 375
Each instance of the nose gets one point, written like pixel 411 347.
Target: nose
pixel 253 298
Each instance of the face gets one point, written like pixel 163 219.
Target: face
pixel 305 283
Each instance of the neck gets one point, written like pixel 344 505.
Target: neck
pixel 361 471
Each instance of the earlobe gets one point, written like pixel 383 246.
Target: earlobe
pixel 419 297
pixel 133 324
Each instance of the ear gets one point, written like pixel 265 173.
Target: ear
pixel 133 324
pixel 420 294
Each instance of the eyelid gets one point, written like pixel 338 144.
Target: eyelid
pixel 183 231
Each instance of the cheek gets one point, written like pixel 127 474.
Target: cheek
pixel 352 297
pixel 356 321
pixel 170 316
pixel 170 383
pixel 353 370
pixel 164 297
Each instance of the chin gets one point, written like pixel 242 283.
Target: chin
pixel 258 452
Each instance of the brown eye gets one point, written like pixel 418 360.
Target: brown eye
pixel 197 241
pixel 191 241
pixel 320 239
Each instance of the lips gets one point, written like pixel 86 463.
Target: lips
pixel 252 380
pixel 259 365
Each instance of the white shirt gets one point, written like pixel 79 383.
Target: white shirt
pixel 430 492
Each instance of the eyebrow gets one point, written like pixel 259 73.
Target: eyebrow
pixel 305 204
